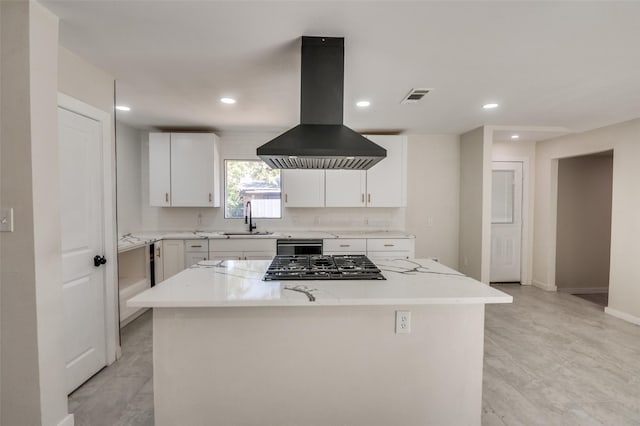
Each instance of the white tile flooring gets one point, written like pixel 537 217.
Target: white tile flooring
pixel 550 359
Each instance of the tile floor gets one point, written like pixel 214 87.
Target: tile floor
pixel 550 359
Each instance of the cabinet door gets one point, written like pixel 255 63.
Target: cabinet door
pixel 386 181
pixel 345 188
pixel 303 188
pixel 159 169
pixel 192 170
pixel 173 262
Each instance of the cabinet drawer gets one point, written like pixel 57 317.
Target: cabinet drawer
pixel 243 244
pixel 344 245
pixel 386 255
pixel 391 244
pixel 196 246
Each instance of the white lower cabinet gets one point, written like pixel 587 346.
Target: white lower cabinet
pixel 373 248
pixel 172 257
pixel 195 251
pixel 343 246
pixel 242 249
pixel 390 248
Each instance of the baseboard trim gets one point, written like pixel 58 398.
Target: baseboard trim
pixel 622 315
pixel 583 290
pixel 544 286
pixel 67 421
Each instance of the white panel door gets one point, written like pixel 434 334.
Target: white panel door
pixel 192 170
pixel 345 188
pixel 506 222
pixel 160 169
pixel 82 228
pixel 303 188
pixel 386 180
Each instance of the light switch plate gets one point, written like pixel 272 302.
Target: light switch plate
pixel 6 219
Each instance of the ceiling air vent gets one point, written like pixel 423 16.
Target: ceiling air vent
pixel 415 95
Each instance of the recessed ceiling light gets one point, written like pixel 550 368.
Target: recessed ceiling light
pixel 490 106
pixel 227 100
pixel 515 136
pixel 363 104
pixel 123 108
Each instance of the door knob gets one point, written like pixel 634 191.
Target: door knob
pixel 99 260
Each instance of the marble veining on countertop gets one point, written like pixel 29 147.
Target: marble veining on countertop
pixel 218 283
pixel 135 240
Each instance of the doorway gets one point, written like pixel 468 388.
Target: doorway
pixel 583 236
pixel 506 222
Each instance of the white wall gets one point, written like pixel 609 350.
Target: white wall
pixel 433 195
pixel 242 145
pixel 584 223
pixel 32 368
pixel 525 152
pixel 129 178
pixel 624 139
pixel 475 203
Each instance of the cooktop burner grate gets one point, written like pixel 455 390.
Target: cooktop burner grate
pixel 322 267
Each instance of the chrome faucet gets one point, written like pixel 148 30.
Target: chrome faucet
pixel 247 216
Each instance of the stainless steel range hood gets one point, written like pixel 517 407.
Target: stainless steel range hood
pixel 321 141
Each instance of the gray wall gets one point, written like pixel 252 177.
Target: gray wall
pixel 584 222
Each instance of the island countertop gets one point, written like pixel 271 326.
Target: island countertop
pixel 238 283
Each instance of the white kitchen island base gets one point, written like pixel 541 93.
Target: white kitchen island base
pixel 322 365
pixel 230 349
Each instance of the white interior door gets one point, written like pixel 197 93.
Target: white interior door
pixel 82 227
pixel 506 222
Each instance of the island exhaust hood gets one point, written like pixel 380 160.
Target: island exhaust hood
pixel 321 141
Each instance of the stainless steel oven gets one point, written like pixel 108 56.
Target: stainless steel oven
pixel 299 246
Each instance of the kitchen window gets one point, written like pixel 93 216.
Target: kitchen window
pixel 252 180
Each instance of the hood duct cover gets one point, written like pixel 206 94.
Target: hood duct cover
pixel 321 141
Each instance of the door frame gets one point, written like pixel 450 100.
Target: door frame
pixel 526 238
pixel 109 195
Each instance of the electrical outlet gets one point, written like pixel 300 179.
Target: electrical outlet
pixel 6 219
pixel 403 322
pixel 429 221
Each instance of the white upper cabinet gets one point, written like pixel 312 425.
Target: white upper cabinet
pixel 303 188
pixel 386 181
pixel 383 185
pixel 160 169
pixel 345 188
pixel 184 170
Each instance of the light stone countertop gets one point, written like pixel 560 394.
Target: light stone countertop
pixel 239 283
pixel 132 241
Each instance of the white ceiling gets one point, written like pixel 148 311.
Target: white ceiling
pixel 571 65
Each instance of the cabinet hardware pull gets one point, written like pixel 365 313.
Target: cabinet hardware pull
pixel 196 246
pixel 362 198
pixel 210 198
pixel 166 197
pixel 158 251
pixel 345 245
pixel 369 198
pixel 389 245
pixel 286 199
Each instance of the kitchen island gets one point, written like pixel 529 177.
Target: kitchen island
pixel 231 349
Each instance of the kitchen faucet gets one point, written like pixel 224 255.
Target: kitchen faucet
pixel 247 216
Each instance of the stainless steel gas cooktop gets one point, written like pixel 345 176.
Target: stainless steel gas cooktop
pixel 322 267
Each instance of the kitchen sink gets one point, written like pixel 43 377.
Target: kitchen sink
pixel 247 233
